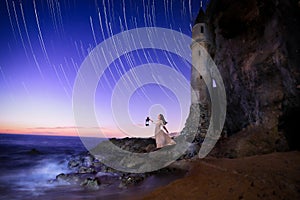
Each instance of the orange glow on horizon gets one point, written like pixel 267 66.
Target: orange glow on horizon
pixel 60 131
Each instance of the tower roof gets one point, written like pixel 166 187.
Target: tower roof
pixel 201 18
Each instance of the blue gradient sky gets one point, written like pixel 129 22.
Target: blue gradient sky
pixel 44 42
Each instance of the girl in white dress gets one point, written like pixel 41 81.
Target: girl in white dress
pixel 161 137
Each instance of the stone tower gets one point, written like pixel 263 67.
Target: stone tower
pixel 198 120
pixel 200 36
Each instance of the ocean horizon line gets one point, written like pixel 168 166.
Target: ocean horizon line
pixel 74 136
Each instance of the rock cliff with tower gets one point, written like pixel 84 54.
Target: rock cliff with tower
pixel 255 45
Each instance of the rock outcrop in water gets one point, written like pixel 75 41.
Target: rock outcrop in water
pixel 255 45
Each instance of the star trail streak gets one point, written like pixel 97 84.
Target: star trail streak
pixel 43 44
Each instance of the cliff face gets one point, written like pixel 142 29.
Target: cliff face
pixel 255 44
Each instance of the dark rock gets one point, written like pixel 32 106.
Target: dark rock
pixel 91 183
pixel 73 163
pixel 34 152
pixel 84 170
pixel 132 179
pixel 87 161
pixel 68 178
pixel 108 178
pixel 251 141
pixel 109 170
pixel 137 145
pixel 261 77
pixel 98 165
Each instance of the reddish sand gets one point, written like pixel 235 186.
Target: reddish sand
pixel 272 176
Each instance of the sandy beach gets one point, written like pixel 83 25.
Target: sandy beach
pixel 271 176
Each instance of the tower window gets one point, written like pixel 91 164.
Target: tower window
pixel 202 29
pixel 199 53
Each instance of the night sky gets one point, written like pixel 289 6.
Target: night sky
pixel 44 42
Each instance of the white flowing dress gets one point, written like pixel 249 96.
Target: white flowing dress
pixel 161 137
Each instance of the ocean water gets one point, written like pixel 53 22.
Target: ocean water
pixel 28 163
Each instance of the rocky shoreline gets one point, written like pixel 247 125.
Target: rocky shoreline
pixel 91 174
pixel 270 176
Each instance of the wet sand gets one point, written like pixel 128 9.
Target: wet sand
pixel 271 176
